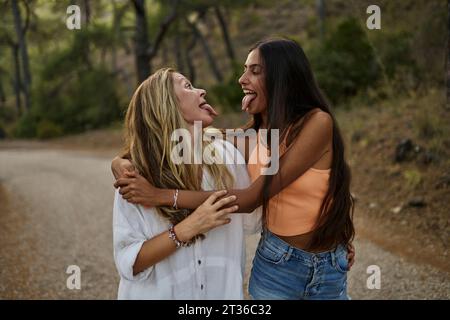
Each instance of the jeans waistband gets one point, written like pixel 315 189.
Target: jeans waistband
pixel 271 240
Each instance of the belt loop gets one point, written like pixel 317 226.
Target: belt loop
pixel 263 236
pixel 333 258
pixel 288 253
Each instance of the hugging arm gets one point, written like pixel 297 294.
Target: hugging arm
pixel 307 149
pixel 310 145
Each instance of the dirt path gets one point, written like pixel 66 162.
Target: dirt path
pixel 59 214
pixel 55 211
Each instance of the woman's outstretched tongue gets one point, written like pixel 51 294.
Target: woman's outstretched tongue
pixel 246 100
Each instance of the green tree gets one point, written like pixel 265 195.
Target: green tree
pixel 345 63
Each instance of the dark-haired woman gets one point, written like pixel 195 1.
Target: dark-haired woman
pixel 307 205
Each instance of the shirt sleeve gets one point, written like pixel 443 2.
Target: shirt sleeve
pixel 252 221
pixel 128 237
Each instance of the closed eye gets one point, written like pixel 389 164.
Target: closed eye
pixel 256 69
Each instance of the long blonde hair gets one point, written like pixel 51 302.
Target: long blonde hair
pixel 152 116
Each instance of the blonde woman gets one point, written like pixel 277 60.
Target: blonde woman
pixel 165 252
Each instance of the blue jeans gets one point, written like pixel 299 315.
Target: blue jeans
pixel 281 271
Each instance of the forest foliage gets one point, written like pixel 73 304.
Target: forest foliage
pixel 55 81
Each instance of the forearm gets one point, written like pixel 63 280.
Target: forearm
pixel 191 199
pixel 247 199
pixel 186 199
pixel 159 248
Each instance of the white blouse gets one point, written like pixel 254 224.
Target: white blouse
pixel 212 268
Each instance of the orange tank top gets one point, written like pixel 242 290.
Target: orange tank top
pixel 295 209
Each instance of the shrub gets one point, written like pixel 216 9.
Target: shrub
pixel 345 63
pixel 47 129
pixel 395 52
pixel 87 101
pixel 26 126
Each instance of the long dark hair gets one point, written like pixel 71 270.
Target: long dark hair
pixel 291 93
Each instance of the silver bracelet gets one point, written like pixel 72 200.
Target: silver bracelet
pixel 175 199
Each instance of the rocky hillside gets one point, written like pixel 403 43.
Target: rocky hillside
pixel 399 153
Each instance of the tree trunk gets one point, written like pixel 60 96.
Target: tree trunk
pixel 87 11
pixel 115 37
pixel 2 94
pixel 163 28
pixel 178 50
pixel 85 53
pixel 23 52
pixel 119 12
pixel 17 83
pixel 189 62
pixel 320 5
pixel 225 33
pixel 143 50
pixel 165 54
pixel 209 56
pixel 142 57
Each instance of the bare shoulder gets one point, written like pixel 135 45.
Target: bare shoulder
pixel 320 121
pixel 314 139
pixel 322 116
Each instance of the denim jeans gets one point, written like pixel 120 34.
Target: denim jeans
pixel 281 271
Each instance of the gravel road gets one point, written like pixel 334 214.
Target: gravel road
pixel 56 211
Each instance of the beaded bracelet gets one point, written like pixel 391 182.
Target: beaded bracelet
pixel 173 236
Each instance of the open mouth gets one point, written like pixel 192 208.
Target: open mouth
pixel 207 107
pixel 248 98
